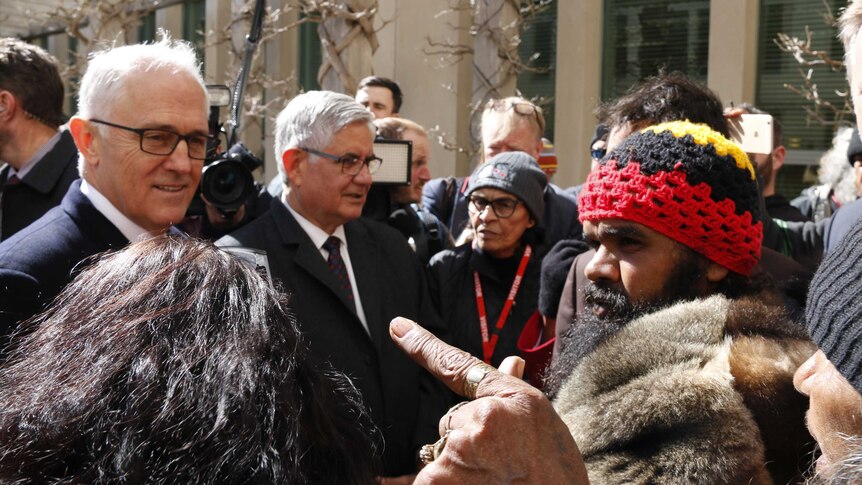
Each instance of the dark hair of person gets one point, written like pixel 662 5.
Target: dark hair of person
pixel 32 76
pixel 175 362
pixel 662 98
pixel 384 82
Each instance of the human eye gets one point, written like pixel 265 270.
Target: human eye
pixel 349 161
pixel 506 204
pixel 198 141
pixel 479 202
pixel 158 137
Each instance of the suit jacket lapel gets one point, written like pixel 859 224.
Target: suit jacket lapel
pixel 308 256
pixel 364 258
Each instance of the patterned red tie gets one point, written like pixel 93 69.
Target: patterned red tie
pixel 336 265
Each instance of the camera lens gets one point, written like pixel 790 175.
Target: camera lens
pixel 226 184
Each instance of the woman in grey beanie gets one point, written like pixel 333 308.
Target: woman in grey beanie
pixel 488 288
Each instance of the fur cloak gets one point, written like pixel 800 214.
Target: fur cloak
pixel 700 392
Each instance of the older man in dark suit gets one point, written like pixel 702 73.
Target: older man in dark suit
pixel 348 276
pixel 142 136
pixel 40 161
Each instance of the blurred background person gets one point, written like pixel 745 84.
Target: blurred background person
pixel 840 177
pixel 425 233
pixel 175 362
pixel 502 263
pixel 40 158
pixel 768 166
pixel 382 96
pixel 508 124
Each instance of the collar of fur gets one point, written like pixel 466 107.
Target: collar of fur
pixel 670 396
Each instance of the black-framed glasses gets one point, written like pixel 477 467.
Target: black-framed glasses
pixel 520 107
pixel 350 164
pixel 503 207
pixel 163 142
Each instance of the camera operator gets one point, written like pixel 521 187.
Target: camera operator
pixel 425 233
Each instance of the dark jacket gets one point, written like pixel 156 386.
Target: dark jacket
pixel 404 401
pixel 38 261
pixel 453 293
pixel 446 199
pixel 779 208
pixel 41 189
pixel 700 392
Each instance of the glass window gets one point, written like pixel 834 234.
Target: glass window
pixel 776 69
pixel 147 29
pixel 643 36
pixel 310 56
pixel 195 25
pixel 540 39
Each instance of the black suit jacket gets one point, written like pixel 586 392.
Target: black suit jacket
pixel 404 401
pixel 38 261
pixel 41 189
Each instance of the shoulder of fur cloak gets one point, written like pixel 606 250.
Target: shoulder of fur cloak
pixel 660 401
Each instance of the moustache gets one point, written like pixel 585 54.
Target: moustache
pixel 615 301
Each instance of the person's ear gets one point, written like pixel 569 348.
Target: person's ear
pixel 7 104
pixel 295 163
pixel 83 132
pixel 778 157
pixel 716 272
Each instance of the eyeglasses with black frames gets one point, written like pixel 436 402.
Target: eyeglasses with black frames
pixel 164 142
pixel 350 164
pixel 503 207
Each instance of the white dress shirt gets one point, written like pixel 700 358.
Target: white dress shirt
pixel 132 231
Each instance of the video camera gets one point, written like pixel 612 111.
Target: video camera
pixel 227 181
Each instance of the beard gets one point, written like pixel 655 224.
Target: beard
pixel 589 330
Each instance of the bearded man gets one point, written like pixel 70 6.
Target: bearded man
pixel 680 369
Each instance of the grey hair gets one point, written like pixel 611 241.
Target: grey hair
pixel 104 81
pixel 849 25
pixel 834 169
pixel 846 471
pixel 108 70
pixel 311 119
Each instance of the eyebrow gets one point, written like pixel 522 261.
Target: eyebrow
pixel 625 230
pixel 175 130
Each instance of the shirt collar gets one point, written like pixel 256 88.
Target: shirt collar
pixel 40 153
pixel 317 235
pixel 132 231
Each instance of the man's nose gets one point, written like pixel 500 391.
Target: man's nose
pixel 603 266
pixel 179 160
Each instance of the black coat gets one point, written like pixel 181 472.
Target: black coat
pixel 404 400
pixel 38 261
pixel 41 189
pixel 452 290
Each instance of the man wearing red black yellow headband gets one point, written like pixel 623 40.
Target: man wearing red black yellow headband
pixel 683 359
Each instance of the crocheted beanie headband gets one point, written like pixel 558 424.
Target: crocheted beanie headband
pixel 687 182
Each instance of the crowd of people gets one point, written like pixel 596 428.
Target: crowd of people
pixel 671 320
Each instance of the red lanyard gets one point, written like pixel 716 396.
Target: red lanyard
pixel 489 342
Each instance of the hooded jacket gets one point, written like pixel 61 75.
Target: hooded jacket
pixel 699 392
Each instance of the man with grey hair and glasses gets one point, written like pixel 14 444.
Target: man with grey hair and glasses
pixel 349 277
pixel 142 134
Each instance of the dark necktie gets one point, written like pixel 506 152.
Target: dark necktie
pixel 336 265
pixel 13 180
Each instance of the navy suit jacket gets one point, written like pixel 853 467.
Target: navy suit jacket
pixel 41 189
pixel 38 261
pixel 404 401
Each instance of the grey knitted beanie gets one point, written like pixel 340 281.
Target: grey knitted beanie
pixel 834 309
pixel 516 173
